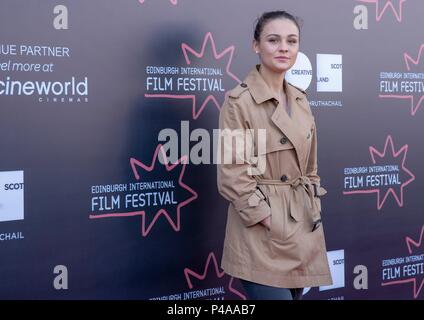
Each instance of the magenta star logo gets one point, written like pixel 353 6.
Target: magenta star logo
pixel 416 99
pixel 150 216
pixel 174 2
pixel 414 247
pixel 388 156
pixel 207 55
pixel 212 274
pixel 382 6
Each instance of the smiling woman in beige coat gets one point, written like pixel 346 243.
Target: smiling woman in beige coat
pixel 274 241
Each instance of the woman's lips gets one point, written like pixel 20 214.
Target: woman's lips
pixel 282 58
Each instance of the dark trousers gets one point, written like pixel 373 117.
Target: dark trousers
pixel 256 291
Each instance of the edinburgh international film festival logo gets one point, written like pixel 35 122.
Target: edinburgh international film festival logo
pixel 406 270
pixel 405 86
pixel 202 81
pixel 157 194
pixel 207 282
pixel 36 71
pixel 386 175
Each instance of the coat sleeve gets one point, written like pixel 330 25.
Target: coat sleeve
pixel 234 182
pixel 312 166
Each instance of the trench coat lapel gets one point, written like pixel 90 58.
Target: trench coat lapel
pixel 289 126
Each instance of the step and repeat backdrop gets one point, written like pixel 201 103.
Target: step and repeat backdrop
pixel 93 94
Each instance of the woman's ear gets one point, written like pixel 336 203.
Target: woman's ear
pixel 255 46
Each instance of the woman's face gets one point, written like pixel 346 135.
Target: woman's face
pixel 278 45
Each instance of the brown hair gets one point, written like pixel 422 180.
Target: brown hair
pixel 272 15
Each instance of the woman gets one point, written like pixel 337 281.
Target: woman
pixel 274 240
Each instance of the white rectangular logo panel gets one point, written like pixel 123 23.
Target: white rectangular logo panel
pixel 337 268
pixel 11 195
pixel 329 73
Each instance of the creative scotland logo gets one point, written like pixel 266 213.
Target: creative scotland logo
pixel 329 77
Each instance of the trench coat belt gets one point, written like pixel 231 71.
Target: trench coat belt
pixel 308 186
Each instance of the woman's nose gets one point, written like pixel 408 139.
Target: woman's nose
pixel 283 47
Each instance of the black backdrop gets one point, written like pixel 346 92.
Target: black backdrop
pixel 70 225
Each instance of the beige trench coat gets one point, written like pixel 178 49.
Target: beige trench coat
pixel 290 254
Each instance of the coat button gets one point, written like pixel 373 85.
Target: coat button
pixel 283 140
pixel 284 178
pixel 243 85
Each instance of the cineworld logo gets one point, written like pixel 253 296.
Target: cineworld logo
pixel 73 88
pixel 11 195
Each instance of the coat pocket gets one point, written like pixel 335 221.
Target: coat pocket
pixel 283 225
pixel 298 206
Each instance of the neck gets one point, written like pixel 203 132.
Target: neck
pixel 273 80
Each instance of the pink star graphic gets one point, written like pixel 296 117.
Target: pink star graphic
pixel 409 59
pixel 415 63
pixel 383 5
pixel 145 226
pixel 196 110
pixel 400 153
pixel 174 2
pixel 220 274
pixel 411 243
